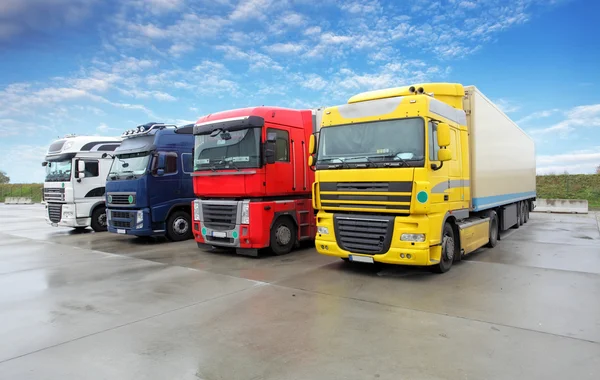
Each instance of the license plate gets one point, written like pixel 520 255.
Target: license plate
pixel 121 231
pixel 361 259
pixel 54 224
pixel 219 234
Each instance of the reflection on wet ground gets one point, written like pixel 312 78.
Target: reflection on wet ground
pixel 98 305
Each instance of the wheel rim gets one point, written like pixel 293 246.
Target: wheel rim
pixel 283 235
pixel 448 246
pixel 180 226
pixel 102 220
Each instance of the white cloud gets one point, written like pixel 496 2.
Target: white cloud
pixel 28 168
pixel 583 161
pixel 285 48
pixel 507 105
pixel 361 7
pixel 313 30
pixel 580 116
pixel 537 115
pixel 255 60
pixel 249 9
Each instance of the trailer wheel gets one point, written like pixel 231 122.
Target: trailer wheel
pixel 526 203
pixel 179 226
pixel 448 251
pixel 494 232
pixel 99 219
pixel 283 236
pixel 521 213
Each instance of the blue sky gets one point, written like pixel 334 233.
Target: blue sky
pixel 100 67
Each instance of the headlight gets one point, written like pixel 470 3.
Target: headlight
pixel 419 238
pixel 323 230
pixel 140 216
pixel 245 213
pixel 196 210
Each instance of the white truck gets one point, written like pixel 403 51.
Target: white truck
pixel 75 181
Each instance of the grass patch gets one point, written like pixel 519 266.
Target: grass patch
pixel 570 186
pixel 28 190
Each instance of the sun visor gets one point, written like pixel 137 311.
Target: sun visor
pixel 231 124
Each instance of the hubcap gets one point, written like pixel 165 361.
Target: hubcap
pixel 102 220
pixel 448 247
pixel 180 226
pixel 283 235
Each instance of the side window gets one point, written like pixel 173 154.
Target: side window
pixel 433 145
pixel 187 162
pixel 282 145
pixel 171 163
pixel 91 169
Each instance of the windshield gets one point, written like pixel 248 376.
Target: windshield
pixel 58 171
pixel 128 166
pixel 400 141
pixel 228 150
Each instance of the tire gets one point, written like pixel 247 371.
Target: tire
pixel 521 213
pixel 99 219
pixel 448 251
pixel 283 236
pixel 494 230
pixel 527 206
pixel 179 226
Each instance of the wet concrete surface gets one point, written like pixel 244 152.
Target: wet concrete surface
pixel 98 305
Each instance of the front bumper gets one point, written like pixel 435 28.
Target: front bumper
pixel 237 237
pixel 64 215
pixel 126 222
pixel 399 252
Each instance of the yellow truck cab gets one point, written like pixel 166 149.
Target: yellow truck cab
pixel 418 175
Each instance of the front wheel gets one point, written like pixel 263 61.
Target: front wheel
pixel 283 236
pixel 493 229
pixel 448 251
pixel 99 219
pixel 179 226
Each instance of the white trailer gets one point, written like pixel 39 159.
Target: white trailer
pixel 75 181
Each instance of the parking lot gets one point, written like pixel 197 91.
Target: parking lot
pixel 104 306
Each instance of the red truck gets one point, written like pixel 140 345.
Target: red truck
pixel 252 179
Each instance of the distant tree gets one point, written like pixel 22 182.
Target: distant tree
pixel 598 170
pixel 3 177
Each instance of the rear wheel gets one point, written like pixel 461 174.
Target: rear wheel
pixel 527 205
pixel 448 251
pixel 179 226
pixel 493 229
pixel 99 219
pixel 521 213
pixel 283 236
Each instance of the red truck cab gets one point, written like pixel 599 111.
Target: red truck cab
pixel 252 179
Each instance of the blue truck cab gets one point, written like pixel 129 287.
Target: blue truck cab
pixel 149 187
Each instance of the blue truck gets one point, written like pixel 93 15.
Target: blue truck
pixel 149 187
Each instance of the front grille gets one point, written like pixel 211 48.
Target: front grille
pixel 121 199
pixel 54 194
pixel 389 196
pixel 120 214
pixel 121 224
pixel 219 216
pixel 55 212
pixel 370 235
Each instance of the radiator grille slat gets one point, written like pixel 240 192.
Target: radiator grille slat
pixel 218 216
pixel 361 235
pixel 55 212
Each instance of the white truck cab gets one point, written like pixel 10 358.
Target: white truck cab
pixel 75 181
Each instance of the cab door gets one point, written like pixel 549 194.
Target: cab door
pixel 280 174
pixel 166 185
pixel 88 187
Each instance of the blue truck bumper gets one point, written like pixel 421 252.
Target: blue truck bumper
pixel 127 222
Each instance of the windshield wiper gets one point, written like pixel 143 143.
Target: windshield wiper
pixel 230 162
pixel 396 156
pixel 341 162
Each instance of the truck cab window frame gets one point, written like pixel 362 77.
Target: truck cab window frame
pixel 187 163
pixel 433 144
pixel 282 144
pixel 170 163
pixel 92 169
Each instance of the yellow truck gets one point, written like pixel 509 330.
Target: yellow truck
pixel 418 175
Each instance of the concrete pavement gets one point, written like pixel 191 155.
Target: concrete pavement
pixel 102 306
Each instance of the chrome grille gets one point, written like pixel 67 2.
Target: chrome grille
pixel 122 219
pixel 219 216
pixel 393 197
pixel 121 199
pixel 55 212
pixel 54 194
pixel 370 235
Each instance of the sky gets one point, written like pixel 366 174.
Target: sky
pixel 99 67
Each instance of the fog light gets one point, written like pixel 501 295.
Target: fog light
pixel 402 255
pixel 323 230
pixel 67 214
pixel 139 226
pixel 408 256
pixel 322 247
pixel 419 238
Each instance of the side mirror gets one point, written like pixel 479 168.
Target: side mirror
pixel 161 162
pixel 443 135
pixel 444 155
pixel 312 145
pixel 45 163
pixel 270 152
pixel 79 168
pixel 104 155
pixel 311 161
pixel 160 172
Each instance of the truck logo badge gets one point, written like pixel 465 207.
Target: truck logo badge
pixel 62 185
pixel 130 199
pixel 422 196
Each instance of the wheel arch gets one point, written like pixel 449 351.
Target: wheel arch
pixel 95 206
pixel 187 207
